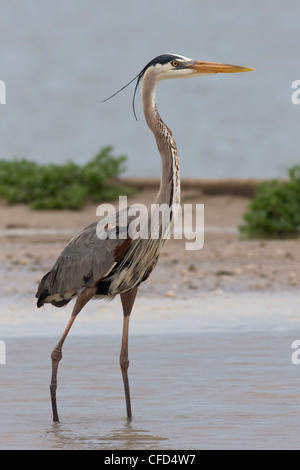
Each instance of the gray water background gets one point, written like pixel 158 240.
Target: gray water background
pixel 60 59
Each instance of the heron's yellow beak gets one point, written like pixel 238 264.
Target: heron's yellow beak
pixel 215 67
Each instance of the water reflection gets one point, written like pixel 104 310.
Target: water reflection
pixel 79 437
pixel 129 437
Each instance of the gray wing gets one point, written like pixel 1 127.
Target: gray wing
pixel 88 258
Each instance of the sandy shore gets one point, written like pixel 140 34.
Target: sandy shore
pixel 35 239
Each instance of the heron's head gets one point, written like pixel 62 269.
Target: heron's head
pixel 168 66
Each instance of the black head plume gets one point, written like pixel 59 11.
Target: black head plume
pixel 161 59
pixel 138 79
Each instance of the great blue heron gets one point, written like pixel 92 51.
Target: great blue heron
pixel 93 266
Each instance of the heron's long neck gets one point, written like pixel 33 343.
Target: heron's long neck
pixel 169 192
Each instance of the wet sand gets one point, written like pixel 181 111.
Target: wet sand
pixel 210 342
pixel 35 238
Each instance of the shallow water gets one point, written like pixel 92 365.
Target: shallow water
pixel 201 391
pixel 210 372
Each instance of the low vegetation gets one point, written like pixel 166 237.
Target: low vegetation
pixel 275 209
pixel 66 186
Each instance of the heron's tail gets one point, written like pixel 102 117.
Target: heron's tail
pixel 44 295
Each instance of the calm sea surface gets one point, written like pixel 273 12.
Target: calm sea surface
pixel 60 59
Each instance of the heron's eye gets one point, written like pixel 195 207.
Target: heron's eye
pixel 175 63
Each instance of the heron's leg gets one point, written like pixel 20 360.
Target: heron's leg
pixel 127 299
pixel 56 355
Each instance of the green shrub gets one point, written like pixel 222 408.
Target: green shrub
pixel 275 209
pixel 67 186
